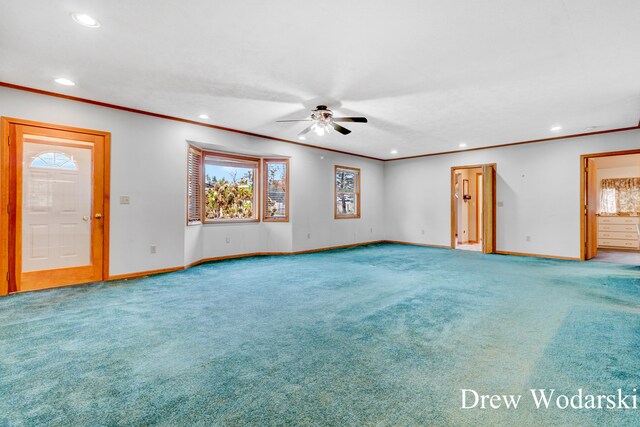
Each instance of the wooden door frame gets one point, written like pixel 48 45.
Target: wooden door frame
pixel 583 199
pixel 453 200
pixel 478 209
pixel 7 223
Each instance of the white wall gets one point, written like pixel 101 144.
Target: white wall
pixel 406 200
pixel 538 185
pixel 148 161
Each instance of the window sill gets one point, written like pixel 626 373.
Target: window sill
pixel 286 219
pixel 347 217
pixel 231 221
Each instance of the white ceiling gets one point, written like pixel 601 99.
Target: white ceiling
pixel 428 74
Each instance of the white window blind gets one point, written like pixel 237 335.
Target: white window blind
pixel 194 186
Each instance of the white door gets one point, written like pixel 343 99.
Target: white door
pixel 57 185
pixel 57 204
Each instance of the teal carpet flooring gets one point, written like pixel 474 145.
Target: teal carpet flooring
pixel 378 335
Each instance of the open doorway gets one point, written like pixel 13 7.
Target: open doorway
pixel 473 208
pixel 610 207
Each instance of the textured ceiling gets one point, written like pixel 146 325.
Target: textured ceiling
pixel 428 74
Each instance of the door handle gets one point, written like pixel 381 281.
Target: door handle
pixel 85 218
pixel 98 216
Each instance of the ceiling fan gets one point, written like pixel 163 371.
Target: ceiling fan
pixel 324 122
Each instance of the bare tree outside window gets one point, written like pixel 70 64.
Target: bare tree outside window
pixel 347 181
pixel 276 193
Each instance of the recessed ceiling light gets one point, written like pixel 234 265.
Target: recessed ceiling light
pixel 65 82
pixel 394 151
pixel 462 144
pixel 556 128
pixel 302 137
pixel 203 116
pixel 590 128
pixel 85 20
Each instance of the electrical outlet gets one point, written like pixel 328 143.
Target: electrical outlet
pixel 308 235
pixel 124 200
pixel 228 239
pixel 371 230
pixel 527 238
pixel 500 204
pixel 422 231
pixel 153 249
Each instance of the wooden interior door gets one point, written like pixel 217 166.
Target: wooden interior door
pixel 57 191
pixel 591 207
pixel 479 224
pixel 488 209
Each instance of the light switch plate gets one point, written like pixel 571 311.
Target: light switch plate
pixel 124 200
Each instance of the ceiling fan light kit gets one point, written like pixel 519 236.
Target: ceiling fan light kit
pixel 324 122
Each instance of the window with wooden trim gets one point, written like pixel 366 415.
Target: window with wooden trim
pixel 347 192
pixel 194 186
pixel 276 190
pixel 231 188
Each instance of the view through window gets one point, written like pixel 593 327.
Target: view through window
pixel 276 200
pixel 347 192
pixel 230 187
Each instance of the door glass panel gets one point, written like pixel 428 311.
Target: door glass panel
pixel 57 197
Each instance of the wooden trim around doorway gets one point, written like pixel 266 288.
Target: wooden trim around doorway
pixel 453 200
pixel 583 157
pixel 477 210
pixel 7 215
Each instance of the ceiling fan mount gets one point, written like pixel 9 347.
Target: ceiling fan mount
pixel 324 122
pixel 321 113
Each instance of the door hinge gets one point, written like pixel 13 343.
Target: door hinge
pixel 8 208
pixel 7 276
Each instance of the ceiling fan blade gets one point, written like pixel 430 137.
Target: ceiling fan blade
pixel 305 130
pixel 340 129
pixel 303 120
pixel 350 119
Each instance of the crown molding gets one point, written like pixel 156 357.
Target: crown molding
pixel 257 135
pixel 177 119
pixel 511 144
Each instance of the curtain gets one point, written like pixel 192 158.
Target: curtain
pixel 620 196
